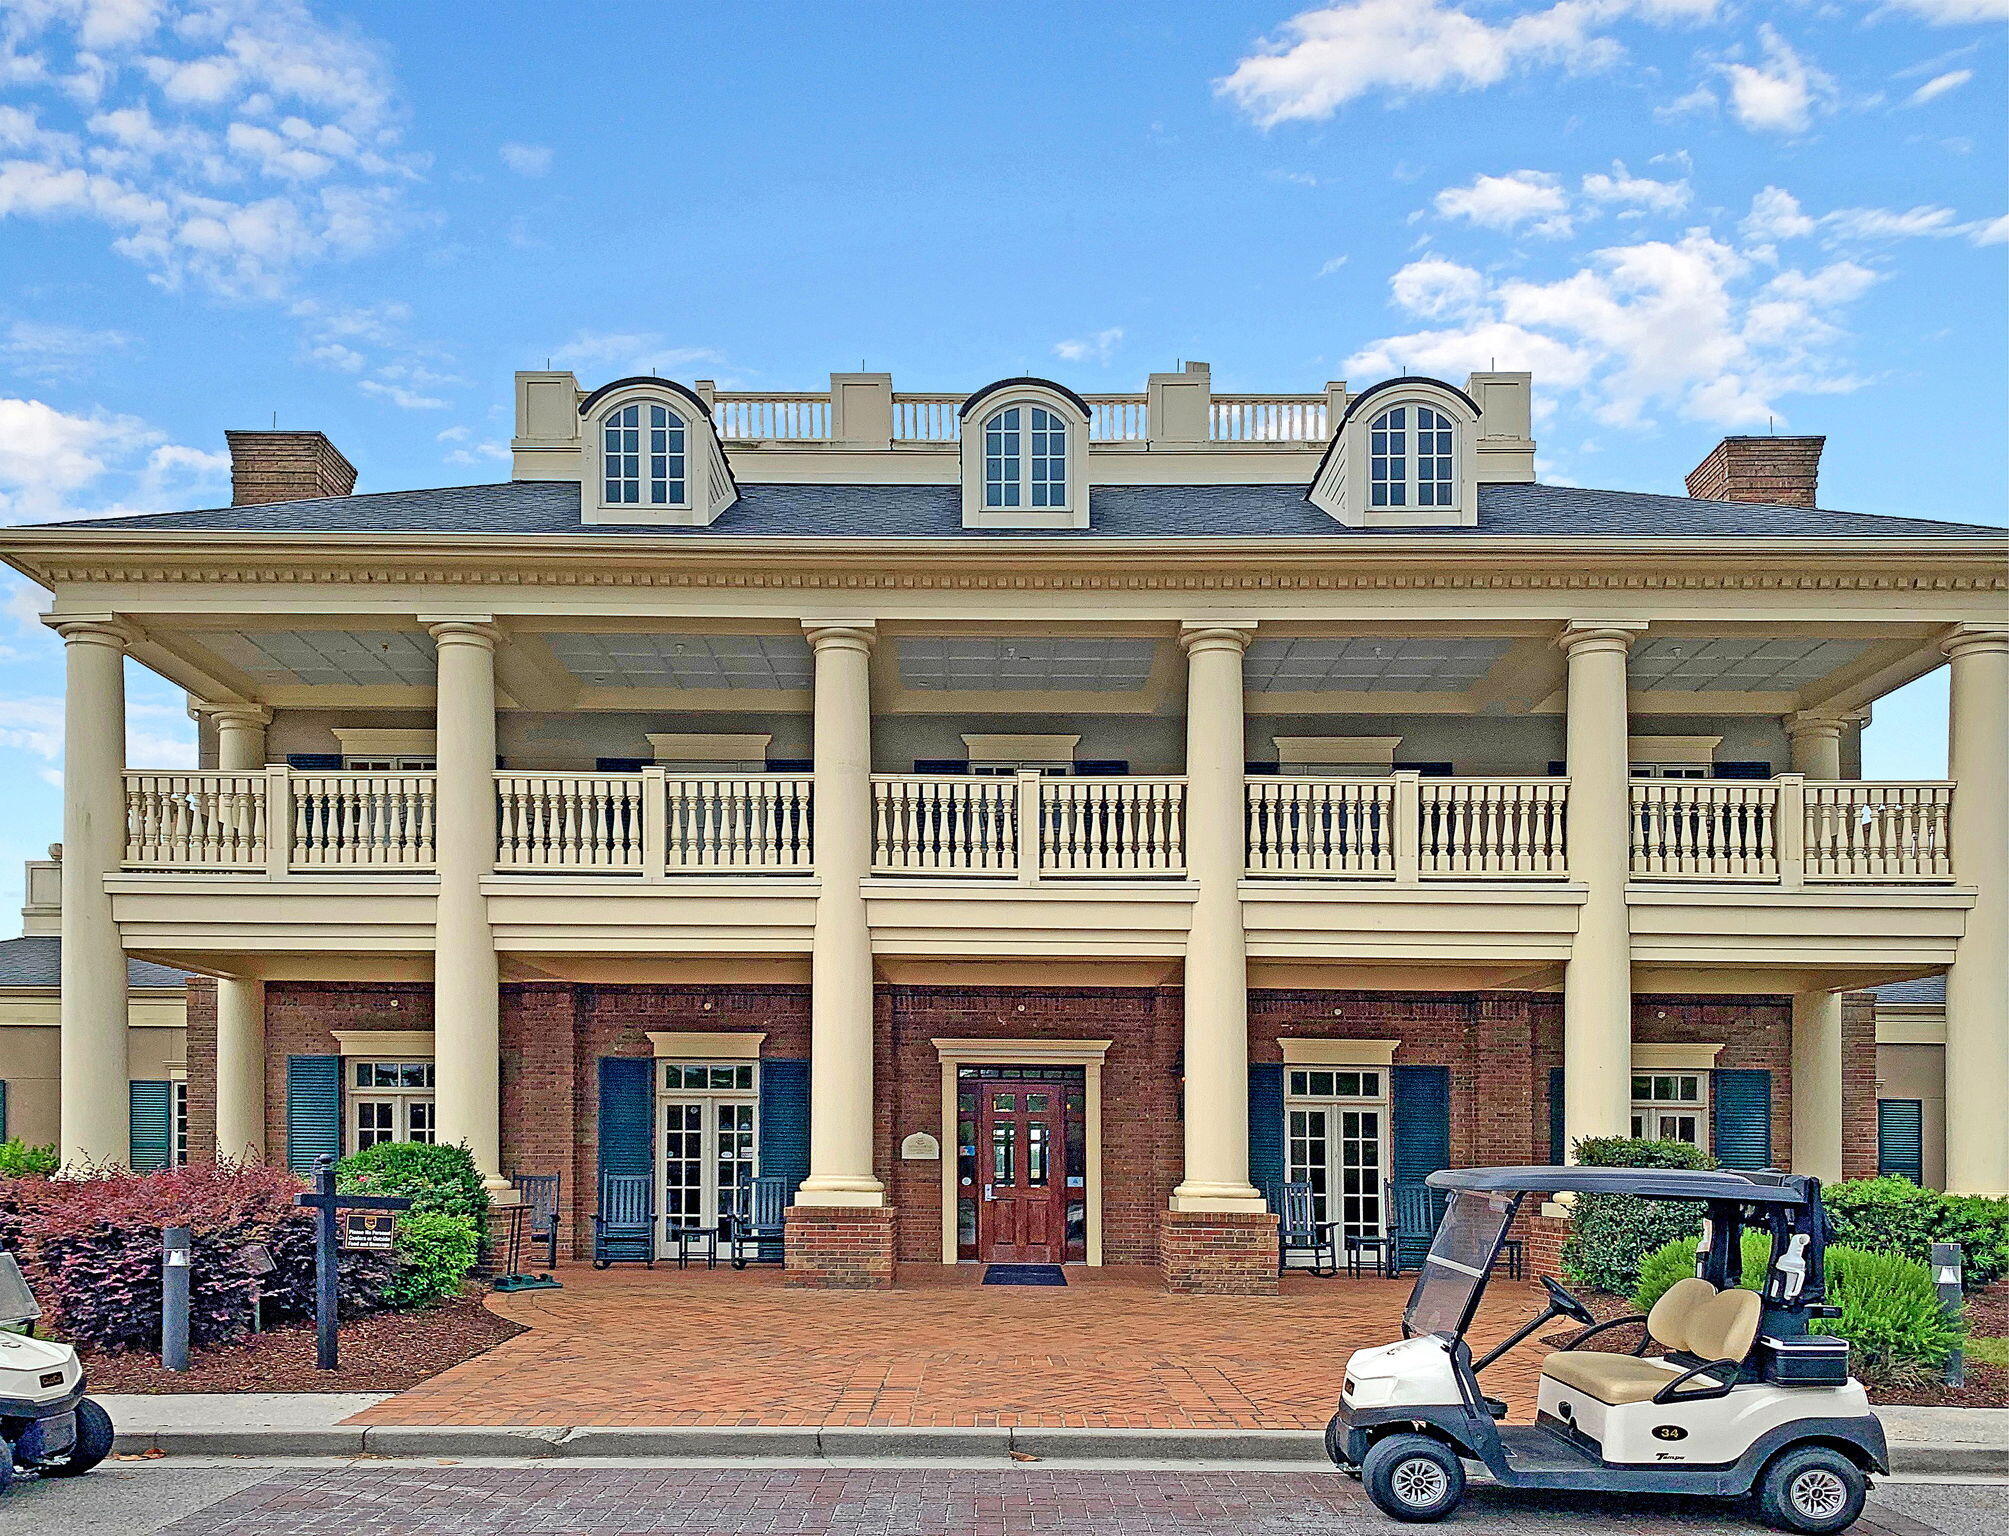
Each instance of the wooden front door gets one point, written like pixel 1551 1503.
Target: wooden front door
pixel 1022 1206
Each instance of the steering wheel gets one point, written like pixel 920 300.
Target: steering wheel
pixel 1561 1301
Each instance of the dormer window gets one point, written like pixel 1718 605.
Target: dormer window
pixel 1411 458
pixel 1025 458
pixel 642 456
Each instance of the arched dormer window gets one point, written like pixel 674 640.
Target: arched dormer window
pixel 1411 461
pixel 1025 458
pixel 642 459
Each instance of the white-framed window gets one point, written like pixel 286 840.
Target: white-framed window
pixel 642 456
pixel 178 1148
pixel 1025 458
pixel 1671 1106
pixel 707 1139
pixel 1336 1140
pixel 1411 458
pixel 1670 770
pixel 399 762
pixel 389 1101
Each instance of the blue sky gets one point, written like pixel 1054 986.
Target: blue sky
pixel 1685 216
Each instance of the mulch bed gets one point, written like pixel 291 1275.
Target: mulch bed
pixel 1987 1386
pixel 385 1353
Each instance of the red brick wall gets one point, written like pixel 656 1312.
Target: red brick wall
pixel 1859 1152
pixel 201 1047
pixel 838 1248
pixel 1212 1253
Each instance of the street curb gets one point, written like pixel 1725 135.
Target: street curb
pixel 1207 1447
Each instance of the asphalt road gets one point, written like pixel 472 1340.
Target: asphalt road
pixel 438 1499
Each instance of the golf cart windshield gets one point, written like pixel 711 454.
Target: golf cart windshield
pixel 17 1302
pixel 1454 1271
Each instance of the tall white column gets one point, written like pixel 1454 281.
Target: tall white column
pixel 840 966
pixel 1977 985
pixel 467 1020
pixel 1597 982
pixel 1217 987
pixel 95 1124
pixel 1817 1084
pixel 1815 742
pixel 240 734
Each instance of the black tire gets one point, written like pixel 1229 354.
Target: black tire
pixel 1413 1478
pixel 6 1463
pixel 1335 1446
pixel 1813 1489
pixel 92 1445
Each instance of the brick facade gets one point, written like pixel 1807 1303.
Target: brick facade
pixel 1498 1046
pixel 1215 1253
pixel 269 466
pixel 1777 471
pixel 839 1248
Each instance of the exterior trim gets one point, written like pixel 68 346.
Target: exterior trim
pixel 722 1045
pixel 1336 1053
pixel 1023 381
pixel 381 1043
pixel 650 381
pixel 1674 1058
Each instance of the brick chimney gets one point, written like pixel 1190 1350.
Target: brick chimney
pixel 286 466
pixel 1778 471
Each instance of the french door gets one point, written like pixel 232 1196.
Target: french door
pixel 707 1144
pixel 1338 1149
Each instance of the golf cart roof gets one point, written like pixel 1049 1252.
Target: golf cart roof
pixel 1654 1183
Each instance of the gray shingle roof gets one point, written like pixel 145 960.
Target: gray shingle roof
pixel 1928 990
pixel 1117 511
pixel 36 960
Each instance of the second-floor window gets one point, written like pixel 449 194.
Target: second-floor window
pixel 1025 458
pixel 642 456
pixel 1410 458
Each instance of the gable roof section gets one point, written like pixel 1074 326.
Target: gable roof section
pixel 532 507
pixel 36 960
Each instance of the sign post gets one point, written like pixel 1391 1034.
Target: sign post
pixel 326 1204
pixel 1947 1262
pixel 176 1244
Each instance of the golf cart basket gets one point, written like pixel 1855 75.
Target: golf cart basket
pixel 1481 1204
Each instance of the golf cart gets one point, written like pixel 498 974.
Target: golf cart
pixel 1727 1396
pixel 47 1425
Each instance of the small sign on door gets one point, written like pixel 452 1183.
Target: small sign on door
pixel 369 1231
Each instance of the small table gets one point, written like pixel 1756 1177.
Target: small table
pixel 709 1236
pixel 1381 1245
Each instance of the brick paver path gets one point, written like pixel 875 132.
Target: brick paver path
pixel 606 1501
pixel 1110 1350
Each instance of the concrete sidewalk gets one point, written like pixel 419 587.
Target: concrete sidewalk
pixel 1950 1441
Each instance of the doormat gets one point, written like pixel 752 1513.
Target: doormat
pixel 1023 1274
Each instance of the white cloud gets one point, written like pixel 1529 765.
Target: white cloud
pixel 620 354
pixel 1095 348
pixel 1939 85
pixel 1893 224
pixel 1948 13
pixel 400 396
pixel 1331 265
pixel 1636 192
pixel 1781 95
pixel 57 464
pixel 1327 57
pixel 1435 287
pixel 1532 198
pixel 1775 215
pixel 527 159
pixel 1993 232
pixel 43 349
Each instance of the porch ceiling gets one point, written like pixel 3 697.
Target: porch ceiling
pixel 766 663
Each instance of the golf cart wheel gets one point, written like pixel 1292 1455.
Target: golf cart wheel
pixel 1414 1478
pixel 1335 1447
pixel 1813 1489
pixel 92 1445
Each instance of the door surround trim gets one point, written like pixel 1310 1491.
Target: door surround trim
pixel 1086 1054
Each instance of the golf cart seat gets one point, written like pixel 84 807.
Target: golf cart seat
pixel 1692 1318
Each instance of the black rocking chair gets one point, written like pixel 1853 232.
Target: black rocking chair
pixel 624 1228
pixel 1300 1231
pixel 759 1221
pixel 540 1193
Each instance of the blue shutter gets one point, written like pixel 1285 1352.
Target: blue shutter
pixel 1559 1146
pixel 150 1119
pixel 941 765
pixel 1420 1102
pixel 1102 767
pixel 3 1109
pixel 1740 770
pixel 1900 1139
pixel 627 1114
pixel 621 764
pixel 784 1122
pixel 1428 770
pixel 1266 1128
pixel 313 1109
pixel 315 762
pixel 1741 1117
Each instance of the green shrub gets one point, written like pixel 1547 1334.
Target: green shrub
pixel 439 1180
pixel 1896 1216
pixel 1611 1234
pixel 1890 1310
pixel 24 1160
pixel 435 1253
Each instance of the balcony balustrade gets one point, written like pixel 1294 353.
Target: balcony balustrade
pixel 1403 829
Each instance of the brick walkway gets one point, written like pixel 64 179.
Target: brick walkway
pixel 1111 1350
pixel 461 1501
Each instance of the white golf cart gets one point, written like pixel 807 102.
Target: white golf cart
pixel 47 1425
pixel 1727 1396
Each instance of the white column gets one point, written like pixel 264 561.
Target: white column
pixel 467 1023
pixel 95 1126
pixel 1977 985
pixel 240 1001
pixel 1817 1084
pixel 840 966
pixel 1217 987
pixel 1597 982
pixel 240 734
pixel 1816 744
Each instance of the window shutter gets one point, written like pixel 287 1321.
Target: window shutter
pixel 1428 770
pixel 150 1120
pixel 1558 769
pixel 784 1122
pixel 1266 1128
pixel 1900 1139
pixel 1420 1103
pixel 627 1114
pixel 941 765
pixel 315 762
pixel 1102 767
pixel 3 1109
pixel 313 1109
pixel 1741 1117
pixel 1261 768
pixel 620 764
pixel 1740 770
pixel 1559 1148
pixel 791 765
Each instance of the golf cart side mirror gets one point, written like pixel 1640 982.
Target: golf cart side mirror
pixel 17 1302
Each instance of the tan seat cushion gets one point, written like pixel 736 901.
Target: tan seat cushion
pixel 1725 1327
pixel 1668 1322
pixel 1612 1379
